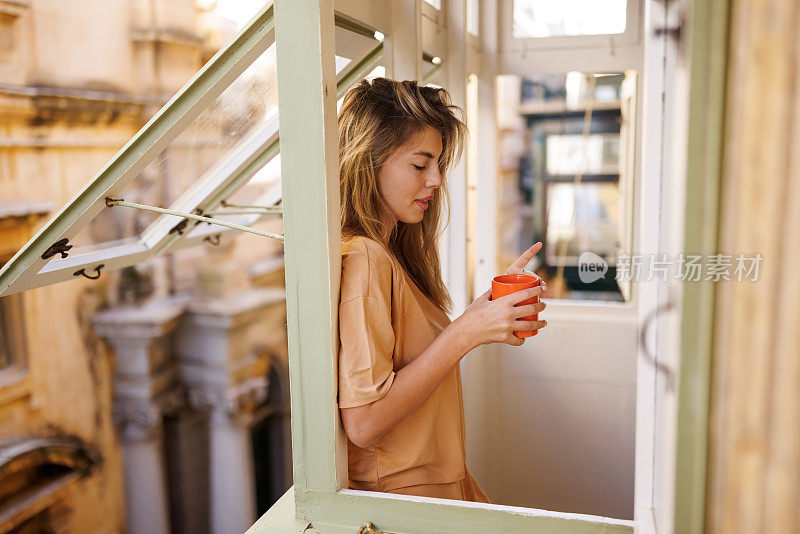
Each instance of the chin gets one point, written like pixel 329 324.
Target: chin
pixel 413 219
pixel 410 216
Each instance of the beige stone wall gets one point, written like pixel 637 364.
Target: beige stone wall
pixel 68 388
pixel 77 80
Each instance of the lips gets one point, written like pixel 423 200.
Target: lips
pixel 423 202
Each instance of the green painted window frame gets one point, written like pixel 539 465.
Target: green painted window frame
pixel 708 23
pixel 313 274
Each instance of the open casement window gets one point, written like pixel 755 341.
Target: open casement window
pixel 212 151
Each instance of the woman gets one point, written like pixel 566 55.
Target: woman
pixel 399 380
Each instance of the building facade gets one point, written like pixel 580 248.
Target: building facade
pixel 125 399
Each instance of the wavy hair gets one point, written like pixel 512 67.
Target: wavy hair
pixel 377 117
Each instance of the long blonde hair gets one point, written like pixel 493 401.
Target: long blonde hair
pixel 377 117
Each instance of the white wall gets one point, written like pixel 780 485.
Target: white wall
pixel 551 424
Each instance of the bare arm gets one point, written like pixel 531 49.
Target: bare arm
pixel 412 385
pixel 485 321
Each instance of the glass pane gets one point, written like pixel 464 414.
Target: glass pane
pixel 263 189
pixel 264 181
pixel 229 125
pixel 245 107
pixel 581 217
pixel 545 18
pixel 579 154
pixel 562 170
pixel 435 3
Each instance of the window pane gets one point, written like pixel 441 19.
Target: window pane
pixel 435 3
pixel 545 18
pixel 246 106
pixel 581 217
pixel 579 154
pixel 246 109
pixel 563 177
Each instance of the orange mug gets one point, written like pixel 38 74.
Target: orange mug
pixel 505 284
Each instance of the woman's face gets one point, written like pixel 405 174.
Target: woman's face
pixel 407 180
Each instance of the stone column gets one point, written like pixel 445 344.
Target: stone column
pixel 222 345
pixel 145 389
pixel 231 472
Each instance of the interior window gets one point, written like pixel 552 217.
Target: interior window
pixel 564 178
pixel 543 18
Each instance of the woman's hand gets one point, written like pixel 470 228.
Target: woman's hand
pixel 494 321
pixel 518 267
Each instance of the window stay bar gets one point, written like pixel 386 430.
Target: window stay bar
pixel 277 208
pixel 259 211
pixel 110 202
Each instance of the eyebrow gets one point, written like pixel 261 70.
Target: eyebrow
pixel 426 154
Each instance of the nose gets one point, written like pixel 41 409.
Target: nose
pixel 434 177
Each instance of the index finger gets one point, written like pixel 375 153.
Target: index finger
pixel 523 260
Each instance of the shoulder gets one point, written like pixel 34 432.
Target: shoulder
pixel 363 250
pixel 366 269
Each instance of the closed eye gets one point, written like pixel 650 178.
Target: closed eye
pixel 418 167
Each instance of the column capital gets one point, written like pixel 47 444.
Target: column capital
pixel 233 402
pixel 140 419
pixel 145 378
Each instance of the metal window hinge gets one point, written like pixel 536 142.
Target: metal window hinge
pixel 59 247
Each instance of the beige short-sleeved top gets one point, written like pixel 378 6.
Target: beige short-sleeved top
pixel 385 321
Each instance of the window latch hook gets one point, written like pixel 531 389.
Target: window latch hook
pixel 82 272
